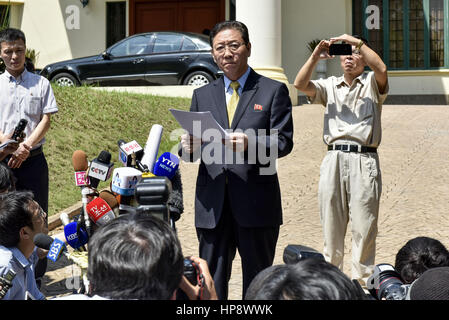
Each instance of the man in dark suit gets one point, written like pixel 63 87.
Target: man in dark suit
pixel 238 198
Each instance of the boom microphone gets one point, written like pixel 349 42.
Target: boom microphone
pixel 152 146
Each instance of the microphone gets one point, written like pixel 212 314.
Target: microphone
pixel 111 200
pixel 166 165
pixel 18 130
pixel 124 181
pixel 152 146
pixel 129 153
pixel 64 217
pixel 100 212
pixel 75 235
pixel 100 168
pixel 80 165
pixel 54 246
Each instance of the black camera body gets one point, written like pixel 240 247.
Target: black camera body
pixel 191 271
pixel 340 49
pixel 152 195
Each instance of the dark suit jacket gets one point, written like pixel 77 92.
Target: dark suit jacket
pixel 255 199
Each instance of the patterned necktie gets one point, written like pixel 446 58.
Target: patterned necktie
pixel 232 104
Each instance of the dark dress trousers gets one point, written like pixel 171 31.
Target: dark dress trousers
pixel 237 207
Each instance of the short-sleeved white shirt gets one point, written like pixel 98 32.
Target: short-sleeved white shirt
pixel 29 97
pixel 353 113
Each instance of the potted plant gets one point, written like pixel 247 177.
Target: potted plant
pixel 321 68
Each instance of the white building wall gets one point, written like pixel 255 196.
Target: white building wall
pixel 62 29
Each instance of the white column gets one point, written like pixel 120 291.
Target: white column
pixel 263 19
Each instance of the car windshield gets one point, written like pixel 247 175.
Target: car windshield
pixel 132 46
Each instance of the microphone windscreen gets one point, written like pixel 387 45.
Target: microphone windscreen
pixel 79 160
pixel 104 157
pixel 64 217
pixel 43 241
pixel 152 146
pixel 109 198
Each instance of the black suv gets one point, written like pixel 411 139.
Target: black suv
pixel 155 58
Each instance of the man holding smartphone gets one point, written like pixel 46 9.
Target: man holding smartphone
pixel 350 179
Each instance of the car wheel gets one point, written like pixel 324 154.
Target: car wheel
pixel 65 80
pixel 198 78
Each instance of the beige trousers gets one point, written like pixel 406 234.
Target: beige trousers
pixel 349 188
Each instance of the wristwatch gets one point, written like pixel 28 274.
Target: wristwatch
pixel 359 45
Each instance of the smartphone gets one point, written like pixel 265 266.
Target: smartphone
pixel 340 49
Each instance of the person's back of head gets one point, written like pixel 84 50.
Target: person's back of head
pixel 135 256
pixel 418 255
pixel 7 179
pixel 14 215
pixel 433 284
pixel 309 279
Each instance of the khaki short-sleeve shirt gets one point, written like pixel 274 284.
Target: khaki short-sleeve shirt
pixel 353 113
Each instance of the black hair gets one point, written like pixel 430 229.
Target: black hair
pixel 363 39
pixel 7 179
pixel 15 213
pixel 236 25
pixel 418 255
pixel 12 34
pixel 309 279
pixel 135 256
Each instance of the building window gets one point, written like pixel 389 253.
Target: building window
pixel 411 34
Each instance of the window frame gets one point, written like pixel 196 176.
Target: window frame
pixel 406 35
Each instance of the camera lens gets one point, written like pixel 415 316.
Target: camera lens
pixel 385 283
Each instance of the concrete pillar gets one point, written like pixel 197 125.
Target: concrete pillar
pixel 263 19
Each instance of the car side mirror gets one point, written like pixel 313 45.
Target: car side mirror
pixel 106 55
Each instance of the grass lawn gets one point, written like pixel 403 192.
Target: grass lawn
pixel 94 120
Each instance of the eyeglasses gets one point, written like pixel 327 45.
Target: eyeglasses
pixel 42 212
pixel 233 47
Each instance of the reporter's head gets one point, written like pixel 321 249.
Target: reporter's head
pixel 135 256
pixel 21 218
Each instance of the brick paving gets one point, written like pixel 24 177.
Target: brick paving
pixel 414 161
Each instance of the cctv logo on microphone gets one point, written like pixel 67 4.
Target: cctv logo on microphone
pixel 99 171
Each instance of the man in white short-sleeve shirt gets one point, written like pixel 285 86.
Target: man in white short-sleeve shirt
pixel 25 95
pixel 350 179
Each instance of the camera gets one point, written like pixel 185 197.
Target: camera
pixel 386 283
pixel 191 271
pixel 340 49
pixel 152 195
